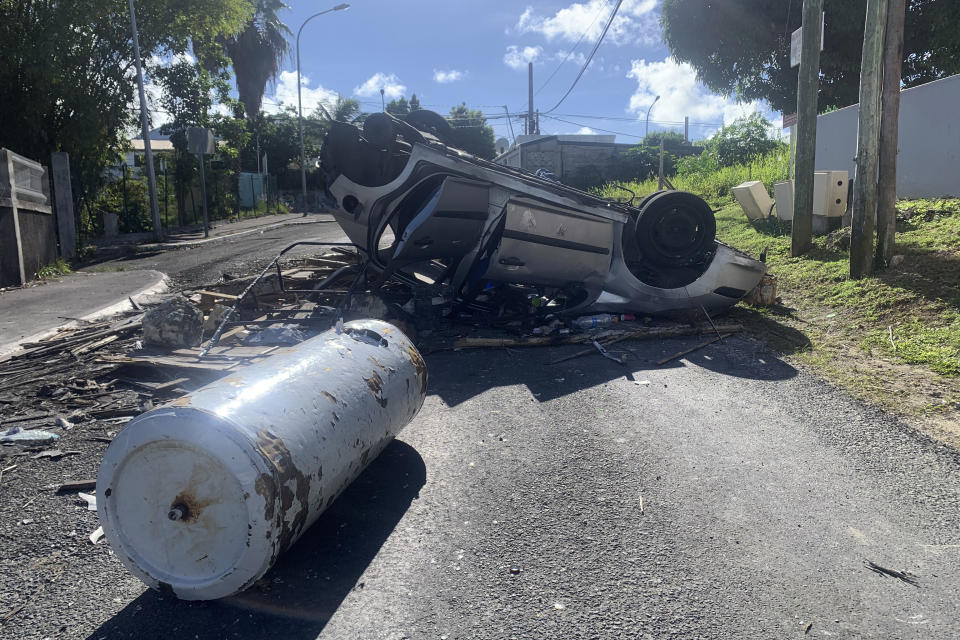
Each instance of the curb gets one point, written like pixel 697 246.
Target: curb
pixel 161 285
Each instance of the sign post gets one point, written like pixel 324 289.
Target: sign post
pixel 200 141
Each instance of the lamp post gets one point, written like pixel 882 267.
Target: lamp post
pixel 303 154
pixel 649 109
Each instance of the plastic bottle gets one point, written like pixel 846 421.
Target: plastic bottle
pixel 601 320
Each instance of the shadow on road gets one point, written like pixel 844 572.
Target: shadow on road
pixel 458 376
pixel 298 596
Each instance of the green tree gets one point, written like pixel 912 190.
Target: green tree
pixel 670 139
pixel 471 133
pixel 398 107
pixel 341 110
pixel 742 47
pixel 257 53
pixel 642 160
pixel 67 72
pixel 415 103
pixel 743 139
pixel 189 90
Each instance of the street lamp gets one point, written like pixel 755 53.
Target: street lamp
pixel 647 131
pixel 303 159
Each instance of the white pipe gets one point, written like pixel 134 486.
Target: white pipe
pixel 199 497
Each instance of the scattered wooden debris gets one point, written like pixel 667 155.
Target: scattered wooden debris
pixel 77 485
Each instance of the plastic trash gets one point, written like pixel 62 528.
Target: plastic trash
pixel 27 436
pixel 601 320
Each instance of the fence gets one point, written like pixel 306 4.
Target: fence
pixel 123 205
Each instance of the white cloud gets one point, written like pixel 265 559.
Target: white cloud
pixel 285 93
pixel 636 22
pixel 390 83
pixel 586 131
pixel 517 58
pixel 444 77
pixel 681 95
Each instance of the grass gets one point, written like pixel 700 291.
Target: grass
pixel 55 269
pixel 892 339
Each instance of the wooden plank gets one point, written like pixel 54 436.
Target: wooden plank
pixel 216 294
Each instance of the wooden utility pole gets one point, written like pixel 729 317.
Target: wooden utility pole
pixel 889 132
pixel 807 88
pixel 868 141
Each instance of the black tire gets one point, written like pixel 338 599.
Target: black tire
pixel 431 122
pixel 675 229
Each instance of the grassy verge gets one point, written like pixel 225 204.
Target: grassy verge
pixel 893 339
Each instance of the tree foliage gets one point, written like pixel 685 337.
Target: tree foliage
pixel 743 139
pixel 742 47
pixel 68 71
pixel 471 132
pixel 257 53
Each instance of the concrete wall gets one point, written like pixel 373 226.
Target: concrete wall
pixel 928 164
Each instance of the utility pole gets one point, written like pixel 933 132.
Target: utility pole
pixel 530 126
pixel 868 141
pixel 807 89
pixel 889 132
pixel 145 129
pixel 686 128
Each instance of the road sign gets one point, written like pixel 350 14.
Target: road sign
pixel 795 42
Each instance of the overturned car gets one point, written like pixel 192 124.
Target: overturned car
pixel 436 217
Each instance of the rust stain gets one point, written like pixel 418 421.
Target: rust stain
pixel 375 384
pixel 329 396
pixel 266 490
pixel 286 474
pixel 182 401
pixel 234 381
pixel 420 366
pixel 190 505
pixel 377 364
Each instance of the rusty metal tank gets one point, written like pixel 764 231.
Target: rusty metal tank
pixel 201 496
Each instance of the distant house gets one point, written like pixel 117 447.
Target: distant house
pixel 577 159
pixel 159 144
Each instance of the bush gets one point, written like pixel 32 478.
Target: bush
pixel 747 137
pixel 133 208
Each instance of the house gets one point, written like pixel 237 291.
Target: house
pixel 576 159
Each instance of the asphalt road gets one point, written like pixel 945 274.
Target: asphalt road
pixel 726 495
pixel 202 264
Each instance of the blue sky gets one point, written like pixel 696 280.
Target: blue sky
pixel 452 51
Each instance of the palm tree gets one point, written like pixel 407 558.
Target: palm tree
pixel 257 53
pixel 341 110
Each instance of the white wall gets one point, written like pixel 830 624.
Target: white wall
pixel 928 164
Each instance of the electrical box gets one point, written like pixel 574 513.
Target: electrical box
pixel 830 193
pixel 754 199
pixel 783 194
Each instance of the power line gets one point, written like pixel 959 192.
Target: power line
pixel 570 53
pixel 603 33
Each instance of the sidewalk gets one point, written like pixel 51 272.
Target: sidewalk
pixel 220 230
pixel 30 313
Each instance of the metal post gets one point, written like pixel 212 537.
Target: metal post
pixel 203 195
pixel 890 132
pixel 868 142
pixel 303 153
pixel 145 128
pixel 807 87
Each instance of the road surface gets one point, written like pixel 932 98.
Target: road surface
pixel 726 495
